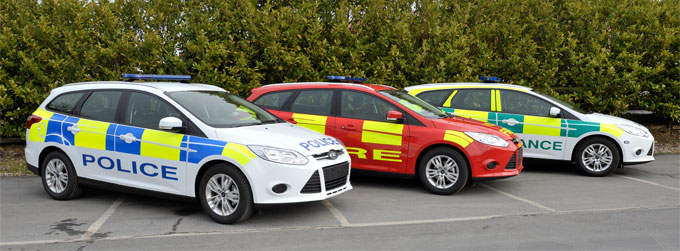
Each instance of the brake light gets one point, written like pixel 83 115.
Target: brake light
pixel 32 120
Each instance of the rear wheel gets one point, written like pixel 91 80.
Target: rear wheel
pixel 443 171
pixel 597 157
pixel 59 177
pixel 225 194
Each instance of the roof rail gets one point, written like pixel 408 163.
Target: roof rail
pixel 133 77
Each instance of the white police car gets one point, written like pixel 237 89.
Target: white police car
pixel 191 140
pixel 548 127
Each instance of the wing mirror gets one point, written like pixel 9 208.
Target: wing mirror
pixel 555 112
pixel 171 123
pixel 394 115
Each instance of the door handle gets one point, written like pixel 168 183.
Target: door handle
pixel 73 129
pixel 128 138
pixel 348 127
pixel 292 121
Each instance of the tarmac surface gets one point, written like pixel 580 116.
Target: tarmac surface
pixel 548 206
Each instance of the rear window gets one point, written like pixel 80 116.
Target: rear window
pixel 65 102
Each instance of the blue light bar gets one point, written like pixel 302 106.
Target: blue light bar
pixel 345 79
pixel 489 79
pixel 155 77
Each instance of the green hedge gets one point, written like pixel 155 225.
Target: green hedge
pixel 607 56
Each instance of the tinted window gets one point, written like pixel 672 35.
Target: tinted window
pixel 414 104
pixel 522 103
pixel 313 102
pixel 479 100
pixel 65 103
pixel 435 98
pixel 222 109
pixel 274 100
pixel 359 105
pixel 101 105
pixel 146 111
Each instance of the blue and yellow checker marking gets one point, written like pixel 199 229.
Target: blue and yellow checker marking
pixel 92 134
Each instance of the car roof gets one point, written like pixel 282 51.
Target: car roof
pixel 435 86
pixel 357 86
pixel 162 86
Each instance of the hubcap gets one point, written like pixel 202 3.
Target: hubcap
pixel 597 157
pixel 56 175
pixel 442 171
pixel 222 194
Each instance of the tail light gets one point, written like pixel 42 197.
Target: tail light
pixel 32 120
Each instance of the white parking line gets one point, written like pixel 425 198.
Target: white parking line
pixel 649 182
pixel 360 225
pixel 536 204
pixel 99 222
pixel 336 213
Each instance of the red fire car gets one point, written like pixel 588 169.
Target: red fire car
pixel 388 130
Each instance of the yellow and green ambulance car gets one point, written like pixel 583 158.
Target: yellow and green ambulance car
pixel 548 127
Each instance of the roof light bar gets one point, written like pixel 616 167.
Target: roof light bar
pixel 487 79
pixel 345 79
pixel 155 77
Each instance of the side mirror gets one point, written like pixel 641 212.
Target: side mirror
pixel 394 115
pixel 170 123
pixel 555 112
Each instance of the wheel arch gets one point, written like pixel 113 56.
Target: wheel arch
pixel 602 136
pixel 433 146
pixel 208 165
pixel 45 152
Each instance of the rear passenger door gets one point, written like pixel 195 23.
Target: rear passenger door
pixel 476 104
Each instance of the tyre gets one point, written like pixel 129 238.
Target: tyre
pixel 225 194
pixel 443 171
pixel 597 157
pixel 58 176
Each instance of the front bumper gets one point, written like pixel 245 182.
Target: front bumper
pixel 637 150
pixel 490 162
pixel 303 183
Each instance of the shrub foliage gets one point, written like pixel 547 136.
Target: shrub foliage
pixel 608 56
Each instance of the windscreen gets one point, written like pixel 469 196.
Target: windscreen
pixel 414 104
pixel 222 109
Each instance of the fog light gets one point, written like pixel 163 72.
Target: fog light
pixel 279 188
pixel 491 165
pixel 638 152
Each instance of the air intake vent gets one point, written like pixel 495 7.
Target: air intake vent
pixel 313 184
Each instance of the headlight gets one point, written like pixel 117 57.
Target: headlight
pixel 634 130
pixel 279 155
pixel 487 139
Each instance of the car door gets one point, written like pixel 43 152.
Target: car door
pixel 471 103
pixel 528 116
pixel 373 142
pixel 311 109
pixel 149 158
pixel 274 102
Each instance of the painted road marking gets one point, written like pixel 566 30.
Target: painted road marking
pixel 336 213
pixel 536 204
pixel 649 182
pixel 360 225
pixel 102 219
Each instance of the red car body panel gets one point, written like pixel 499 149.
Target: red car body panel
pixel 415 140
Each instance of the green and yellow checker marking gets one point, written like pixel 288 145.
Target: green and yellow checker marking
pixel 458 138
pixel 382 133
pixel 312 122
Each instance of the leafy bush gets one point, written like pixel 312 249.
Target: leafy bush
pixel 608 56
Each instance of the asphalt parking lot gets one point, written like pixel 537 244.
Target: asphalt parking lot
pixel 548 206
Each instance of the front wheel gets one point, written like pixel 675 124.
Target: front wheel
pixel 225 194
pixel 443 171
pixel 597 157
pixel 59 177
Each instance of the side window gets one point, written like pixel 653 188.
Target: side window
pixel 146 111
pixel 522 103
pixel 435 98
pixel 274 100
pixel 472 99
pixel 65 103
pixel 101 105
pixel 357 105
pixel 316 102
